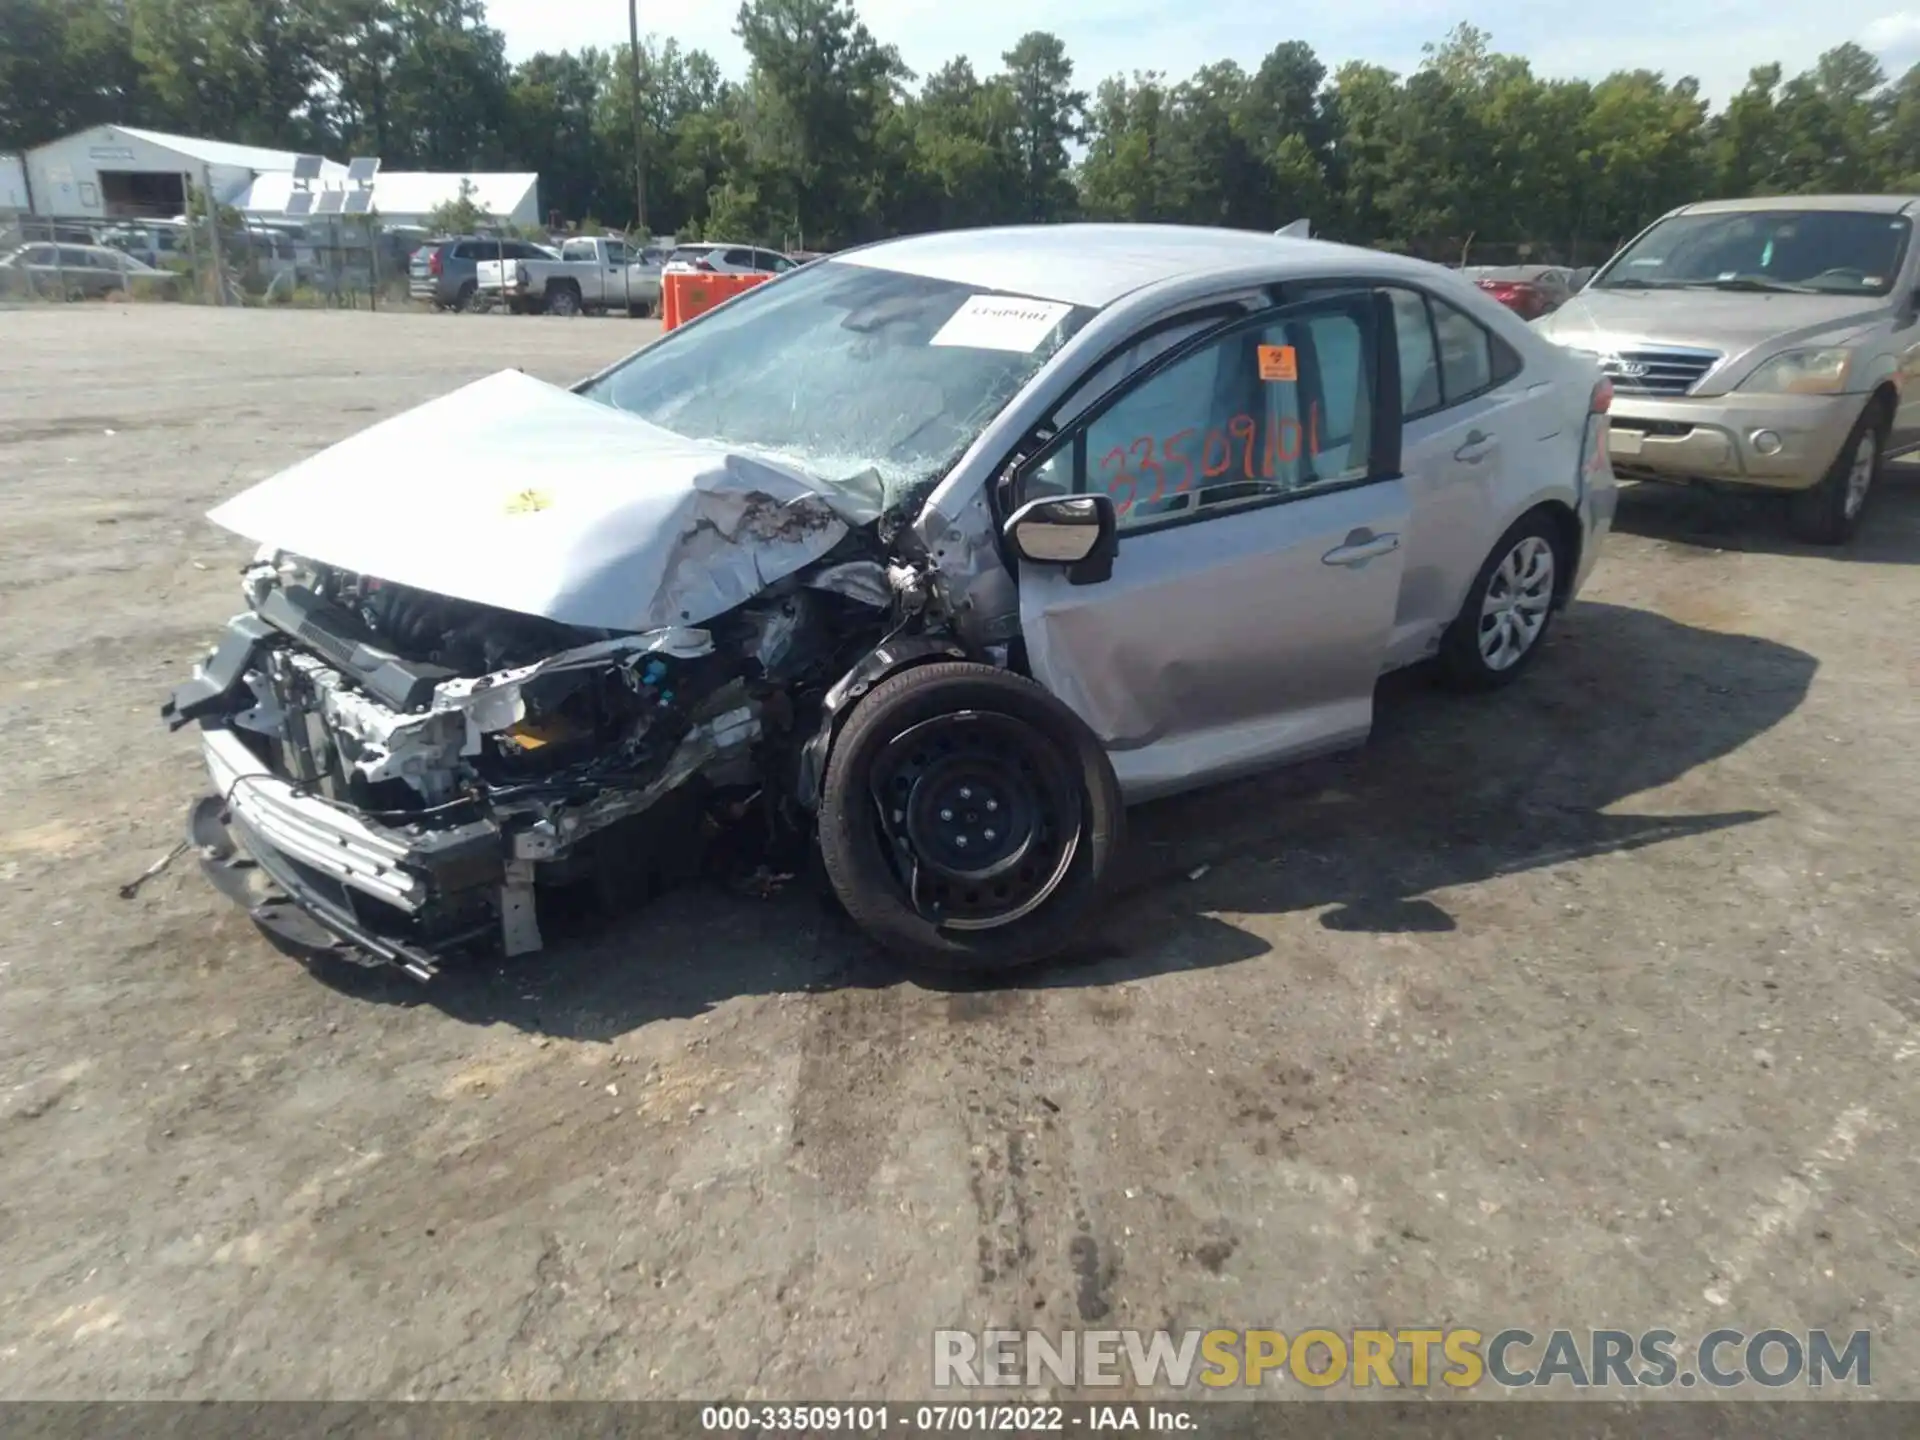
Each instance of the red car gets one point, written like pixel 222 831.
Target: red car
pixel 1530 291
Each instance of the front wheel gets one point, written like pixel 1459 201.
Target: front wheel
pixel 1830 512
pixel 1509 607
pixel 968 818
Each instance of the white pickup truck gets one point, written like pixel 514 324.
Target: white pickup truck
pixel 592 274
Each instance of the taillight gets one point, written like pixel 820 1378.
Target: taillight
pixel 433 264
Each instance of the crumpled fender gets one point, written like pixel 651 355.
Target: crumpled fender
pixel 888 658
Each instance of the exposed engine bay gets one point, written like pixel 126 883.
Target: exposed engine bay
pixel 409 765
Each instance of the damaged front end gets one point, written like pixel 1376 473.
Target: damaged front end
pixel 404 771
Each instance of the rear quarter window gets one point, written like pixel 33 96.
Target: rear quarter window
pixel 1466 353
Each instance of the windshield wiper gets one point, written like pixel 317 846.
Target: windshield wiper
pixel 1634 282
pixel 1748 284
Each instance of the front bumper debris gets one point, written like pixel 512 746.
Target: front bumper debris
pixel 313 875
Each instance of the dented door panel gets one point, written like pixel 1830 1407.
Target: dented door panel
pixel 1227 644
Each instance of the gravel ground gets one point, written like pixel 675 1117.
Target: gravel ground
pixel 1592 1003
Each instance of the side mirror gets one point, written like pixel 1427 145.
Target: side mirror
pixel 1077 531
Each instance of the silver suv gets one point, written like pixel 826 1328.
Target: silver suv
pixel 1761 344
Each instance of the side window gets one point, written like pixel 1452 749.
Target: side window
pixel 40 255
pixel 1419 361
pixel 742 258
pixel 76 259
pixel 1466 353
pixel 1262 412
pixel 577 250
pixel 1506 361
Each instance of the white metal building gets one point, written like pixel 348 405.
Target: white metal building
pixel 114 171
pixel 408 197
pixel 13 185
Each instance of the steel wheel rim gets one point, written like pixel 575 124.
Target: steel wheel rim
pixel 1519 596
pixel 943 785
pixel 1866 456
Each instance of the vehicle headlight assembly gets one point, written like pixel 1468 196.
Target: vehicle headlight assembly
pixel 1802 372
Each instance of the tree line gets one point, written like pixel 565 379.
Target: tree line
pixel 830 139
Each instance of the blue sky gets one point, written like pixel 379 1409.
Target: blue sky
pixel 1716 40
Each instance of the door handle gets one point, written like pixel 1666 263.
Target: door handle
pixel 1357 551
pixel 1477 448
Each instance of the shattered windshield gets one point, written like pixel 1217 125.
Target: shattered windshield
pixel 870 381
pixel 1822 252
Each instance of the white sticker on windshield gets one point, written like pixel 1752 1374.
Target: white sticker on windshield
pixel 999 322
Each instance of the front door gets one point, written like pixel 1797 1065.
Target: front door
pixel 1261 512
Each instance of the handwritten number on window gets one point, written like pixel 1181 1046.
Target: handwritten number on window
pixel 1116 478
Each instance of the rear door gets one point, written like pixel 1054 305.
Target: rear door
pixel 1469 419
pixel 1255 474
pixel 615 288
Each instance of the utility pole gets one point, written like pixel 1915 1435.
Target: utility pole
pixel 639 156
pixel 213 229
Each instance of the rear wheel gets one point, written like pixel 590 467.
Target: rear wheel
pixel 1830 512
pixel 463 297
pixel 563 299
pixel 968 818
pixel 1509 607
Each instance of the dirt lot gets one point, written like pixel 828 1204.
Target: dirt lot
pixel 1593 1003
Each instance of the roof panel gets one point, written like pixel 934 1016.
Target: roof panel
pixel 1084 264
pixel 220 152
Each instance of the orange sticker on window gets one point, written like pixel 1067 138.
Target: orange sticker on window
pixel 1277 362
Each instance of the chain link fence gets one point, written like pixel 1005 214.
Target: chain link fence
pixel 354 263
pixel 328 263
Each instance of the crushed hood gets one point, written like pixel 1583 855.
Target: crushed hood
pixel 515 493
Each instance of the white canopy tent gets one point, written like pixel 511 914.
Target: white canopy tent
pixel 408 197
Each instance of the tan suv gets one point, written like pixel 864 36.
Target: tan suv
pixel 1761 344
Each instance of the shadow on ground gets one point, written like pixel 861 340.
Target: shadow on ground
pixel 1889 532
pixel 1452 789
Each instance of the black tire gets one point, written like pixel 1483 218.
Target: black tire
pixel 1052 773
pixel 563 299
pixel 463 298
pixel 1463 658
pixel 1830 512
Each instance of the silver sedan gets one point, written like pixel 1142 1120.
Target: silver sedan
pixel 937 553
